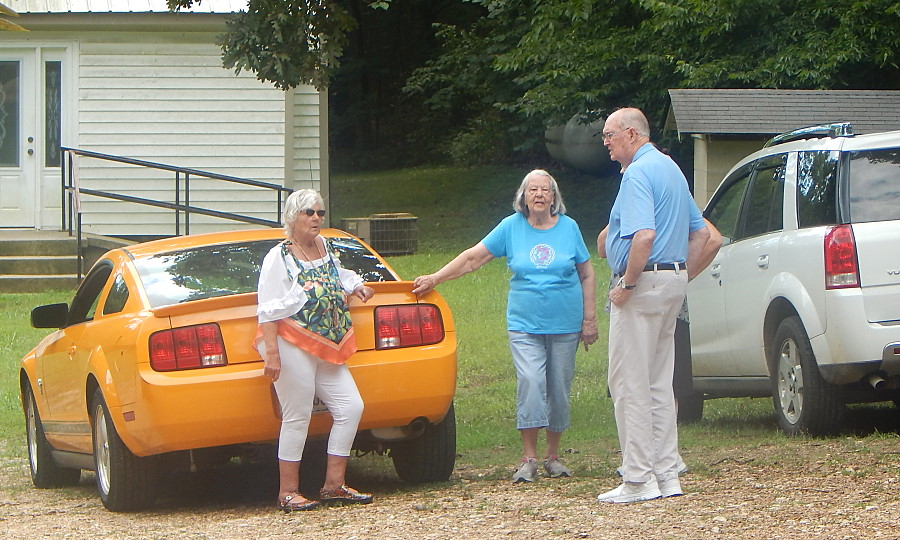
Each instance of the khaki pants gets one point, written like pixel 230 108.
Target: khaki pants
pixel 641 363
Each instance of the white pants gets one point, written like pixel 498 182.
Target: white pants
pixel 303 377
pixel 641 362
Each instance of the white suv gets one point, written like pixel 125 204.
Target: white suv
pixel 802 303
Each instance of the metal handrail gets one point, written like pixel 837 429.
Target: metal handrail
pixel 69 192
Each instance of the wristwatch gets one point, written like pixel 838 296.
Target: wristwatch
pixel 624 285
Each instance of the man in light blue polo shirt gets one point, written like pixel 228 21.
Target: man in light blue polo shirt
pixel 655 233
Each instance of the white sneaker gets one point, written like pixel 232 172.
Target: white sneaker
pixel 630 492
pixel 526 472
pixel 670 488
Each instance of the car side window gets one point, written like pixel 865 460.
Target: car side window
pixel 872 188
pixel 816 186
pixel 723 211
pixel 117 297
pixel 764 209
pixel 84 305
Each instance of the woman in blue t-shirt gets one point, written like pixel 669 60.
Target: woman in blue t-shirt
pixel 551 308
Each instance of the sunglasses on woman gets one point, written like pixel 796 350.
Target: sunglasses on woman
pixel 310 212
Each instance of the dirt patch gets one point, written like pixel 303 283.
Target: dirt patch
pixel 824 489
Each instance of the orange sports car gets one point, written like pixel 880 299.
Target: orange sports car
pixel 152 365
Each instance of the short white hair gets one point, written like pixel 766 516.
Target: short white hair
pixel 297 202
pixel 558 206
pixel 630 117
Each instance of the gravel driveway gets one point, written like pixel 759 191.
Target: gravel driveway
pixel 834 489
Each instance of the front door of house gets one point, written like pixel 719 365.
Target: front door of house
pixel 30 136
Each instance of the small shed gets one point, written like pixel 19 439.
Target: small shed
pixel 728 124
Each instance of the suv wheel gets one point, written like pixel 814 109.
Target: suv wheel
pixel 804 401
pixel 429 457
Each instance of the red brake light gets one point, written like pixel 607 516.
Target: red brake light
pixel 841 266
pixel 407 326
pixel 187 348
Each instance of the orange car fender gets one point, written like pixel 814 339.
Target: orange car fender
pixel 98 368
pixel 28 376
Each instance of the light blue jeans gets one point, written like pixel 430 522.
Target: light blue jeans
pixel 545 365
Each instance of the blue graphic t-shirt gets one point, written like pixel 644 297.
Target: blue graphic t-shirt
pixel 544 290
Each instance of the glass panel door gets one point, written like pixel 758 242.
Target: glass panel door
pixel 9 113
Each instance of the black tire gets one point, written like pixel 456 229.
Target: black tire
pixel 804 402
pixel 429 457
pixel 45 473
pixel 312 467
pixel 690 408
pixel 125 482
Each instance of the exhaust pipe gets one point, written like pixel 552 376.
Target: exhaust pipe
pixel 417 426
pixel 877 381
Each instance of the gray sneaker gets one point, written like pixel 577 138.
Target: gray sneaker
pixel 555 468
pixel 526 473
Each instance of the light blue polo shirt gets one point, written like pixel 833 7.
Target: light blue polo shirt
pixel 653 195
pixel 544 291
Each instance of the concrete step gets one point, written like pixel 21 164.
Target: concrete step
pixel 36 260
pixel 45 246
pixel 30 283
pixel 38 264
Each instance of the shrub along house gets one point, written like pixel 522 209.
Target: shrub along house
pixel 728 124
pixel 129 78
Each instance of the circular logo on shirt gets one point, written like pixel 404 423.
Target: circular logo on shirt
pixel 542 255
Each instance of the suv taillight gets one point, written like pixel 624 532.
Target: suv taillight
pixel 841 267
pixel 189 347
pixel 407 326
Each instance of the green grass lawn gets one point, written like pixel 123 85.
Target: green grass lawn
pixel 455 208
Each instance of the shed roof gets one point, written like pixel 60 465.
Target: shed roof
pixel 119 6
pixel 770 112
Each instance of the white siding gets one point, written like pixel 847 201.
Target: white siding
pixel 173 103
pixel 119 6
pixel 305 154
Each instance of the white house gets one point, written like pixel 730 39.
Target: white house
pixel 129 78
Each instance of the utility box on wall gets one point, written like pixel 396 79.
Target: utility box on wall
pixel 388 234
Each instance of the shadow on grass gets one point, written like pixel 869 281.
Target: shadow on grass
pixel 871 419
pixel 860 420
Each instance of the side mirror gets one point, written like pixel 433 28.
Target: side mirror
pixel 50 316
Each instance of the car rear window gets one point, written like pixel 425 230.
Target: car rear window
pixel 874 186
pixel 224 269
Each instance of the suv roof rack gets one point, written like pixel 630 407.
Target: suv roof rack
pixel 837 129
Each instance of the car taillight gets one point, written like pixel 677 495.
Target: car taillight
pixel 189 347
pixel 841 266
pixel 407 326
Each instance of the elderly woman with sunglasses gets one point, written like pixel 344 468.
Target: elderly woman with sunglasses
pixel 550 309
pixel 305 337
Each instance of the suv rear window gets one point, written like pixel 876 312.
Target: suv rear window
pixel 225 269
pixel 874 185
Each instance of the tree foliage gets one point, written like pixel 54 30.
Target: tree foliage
pixel 285 42
pixel 521 65
pixel 590 54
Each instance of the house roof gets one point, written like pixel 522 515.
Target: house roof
pixel 770 112
pixel 119 6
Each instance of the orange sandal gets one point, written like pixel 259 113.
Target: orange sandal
pixel 302 503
